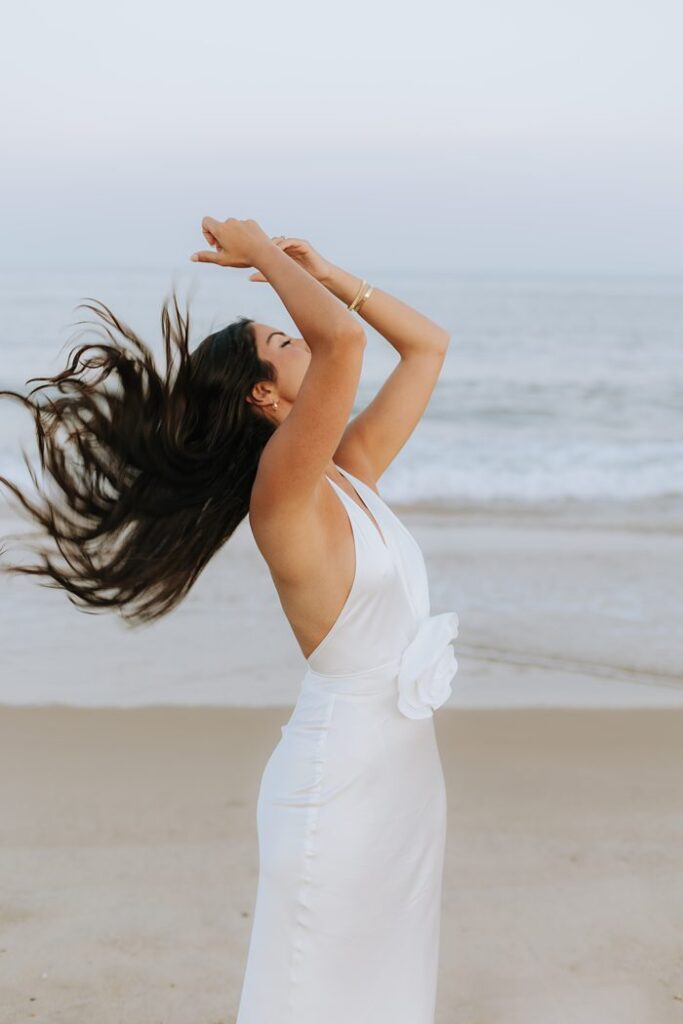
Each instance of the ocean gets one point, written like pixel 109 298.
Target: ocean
pixel 554 389
pixel 544 484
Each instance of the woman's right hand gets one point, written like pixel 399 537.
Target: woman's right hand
pixel 237 242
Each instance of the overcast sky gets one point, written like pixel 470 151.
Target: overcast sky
pixel 522 135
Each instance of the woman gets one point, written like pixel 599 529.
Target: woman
pixel 351 811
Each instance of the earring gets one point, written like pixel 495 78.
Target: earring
pixel 274 405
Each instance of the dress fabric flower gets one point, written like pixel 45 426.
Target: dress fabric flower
pixel 427 667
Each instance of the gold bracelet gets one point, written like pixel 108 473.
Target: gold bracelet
pixel 363 285
pixel 363 293
pixel 367 295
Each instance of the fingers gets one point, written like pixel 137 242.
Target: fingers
pixel 211 239
pixel 206 257
pixel 211 225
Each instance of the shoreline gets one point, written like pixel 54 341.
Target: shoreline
pixel 641 515
pixel 661 512
pixel 554 611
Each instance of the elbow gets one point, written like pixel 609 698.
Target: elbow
pixel 352 335
pixel 339 339
pixel 442 342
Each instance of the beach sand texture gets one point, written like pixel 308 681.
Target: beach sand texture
pixel 128 857
pixel 129 864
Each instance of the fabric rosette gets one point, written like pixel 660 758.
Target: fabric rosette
pixel 427 666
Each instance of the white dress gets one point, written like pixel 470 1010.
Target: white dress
pixel 351 812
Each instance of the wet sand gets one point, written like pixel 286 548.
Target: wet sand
pixel 565 606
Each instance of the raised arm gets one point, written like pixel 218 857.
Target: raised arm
pixel 303 445
pixel 375 436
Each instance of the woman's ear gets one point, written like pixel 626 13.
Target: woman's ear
pixel 261 395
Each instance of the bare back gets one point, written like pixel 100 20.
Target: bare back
pixel 313 562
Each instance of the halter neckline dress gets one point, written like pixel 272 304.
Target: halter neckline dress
pixel 351 810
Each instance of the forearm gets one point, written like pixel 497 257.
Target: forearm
pixel 311 306
pixel 402 326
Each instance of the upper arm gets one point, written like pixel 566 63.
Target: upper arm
pixel 375 436
pixel 296 456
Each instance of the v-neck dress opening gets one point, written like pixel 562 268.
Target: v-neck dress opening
pixel 369 515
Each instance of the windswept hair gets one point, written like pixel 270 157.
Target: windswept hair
pixel 153 469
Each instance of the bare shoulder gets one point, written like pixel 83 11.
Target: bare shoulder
pixel 290 529
pixel 297 531
pixel 308 544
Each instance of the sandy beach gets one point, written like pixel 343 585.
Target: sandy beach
pixel 128 861
pixel 129 864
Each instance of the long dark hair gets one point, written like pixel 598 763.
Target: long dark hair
pixel 154 470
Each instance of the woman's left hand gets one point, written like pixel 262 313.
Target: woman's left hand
pixel 304 254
